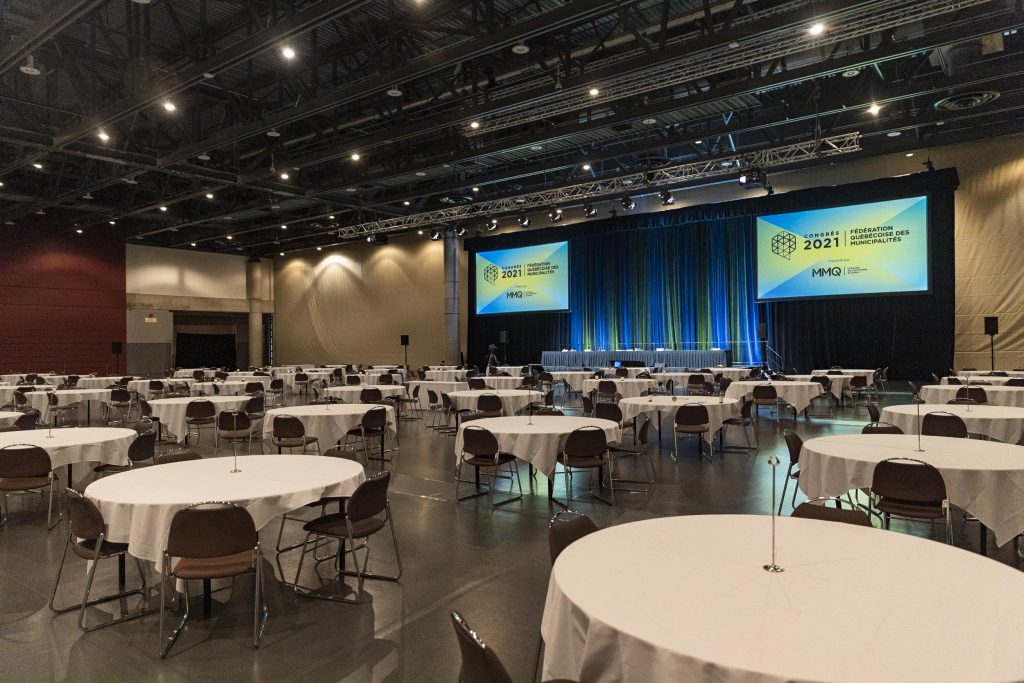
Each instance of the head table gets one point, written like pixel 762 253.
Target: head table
pixel 693 603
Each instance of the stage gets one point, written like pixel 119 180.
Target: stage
pixel 568 360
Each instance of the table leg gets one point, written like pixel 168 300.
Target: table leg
pixel 983 538
pixel 120 573
pixel 70 475
pixel 207 598
pixel 551 488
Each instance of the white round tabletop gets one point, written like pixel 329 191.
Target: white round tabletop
pixel 328 422
pixel 796 394
pixel 446 375
pixel 512 400
pixel 986 478
pixel 536 439
pixel 574 378
pixel 138 505
pixel 719 409
pixel 998 422
pixel 627 388
pixel 995 395
pixel 350 394
pixel 503 382
pixel 840 383
pixel 853 604
pixel 979 380
pixel 171 411
pixel 70 445
pixel 39 400
pixel 7 417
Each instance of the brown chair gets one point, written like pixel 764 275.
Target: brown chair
pixel 370 395
pixel 212 540
pixel 873 411
pixel 156 389
pixel 794 444
pixel 276 391
pixel 910 489
pixel 121 404
pixel 254 388
pixel 87 538
pixel 692 420
pixel 607 391
pixel 54 411
pixel 880 428
pixel 367 511
pixel 586 448
pixel 255 409
pixel 764 395
pixel 289 432
pixel 322 503
pixel 611 411
pixel 621 373
pixel 480 664
pixel 953 380
pixel 587 406
pixel 28 421
pixel 235 427
pixel 26 468
pixel 695 385
pixel 817 508
pixel 448 409
pixel 141 452
pixel 198 414
pixel 177 455
pixel 480 450
pixel 353 380
pixel 976 394
pixel 638 450
pixel 476 383
pixel 745 421
pixel 489 405
pixel 301 382
pixel 941 423
pixel 373 425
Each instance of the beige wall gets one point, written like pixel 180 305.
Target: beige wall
pixel 989 254
pixel 350 304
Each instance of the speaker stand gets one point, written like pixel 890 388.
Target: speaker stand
pixel 406 348
pixel 117 363
pixel 992 349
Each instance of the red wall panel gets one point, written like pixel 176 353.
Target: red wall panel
pixel 62 301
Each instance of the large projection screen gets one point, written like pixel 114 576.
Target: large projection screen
pixel 523 280
pixel 856 250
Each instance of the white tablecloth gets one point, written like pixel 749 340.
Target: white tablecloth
pixel 512 400
pixel 72 445
pixel 627 388
pixel 38 400
pixel 631 373
pixel 445 375
pixel 441 367
pixel 510 369
pixel 694 604
pixel 171 411
pixel 245 379
pixel 536 440
pixel 503 382
pixel 351 394
pixel 327 422
pixel 188 372
pixel 228 388
pixel 863 372
pixel 997 422
pixel 975 373
pixel 993 381
pixel 796 394
pixel 49 379
pixel 573 377
pixel 98 382
pixel 840 383
pixel 996 395
pixel 718 410
pixel 138 505
pixel 437 388
pixel 679 379
pixel 7 417
pixel 985 478
pixel 732 373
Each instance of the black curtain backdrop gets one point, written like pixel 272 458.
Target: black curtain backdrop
pixel 912 334
pixel 205 350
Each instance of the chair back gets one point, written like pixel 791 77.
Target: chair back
pixel 695 381
pixel 156 385
pixel 489 403
pixel 621 373
pixel 254 387
pixel 143 447
pixel 211 529
pixel 880 428
pixel 145 409
pixel 432 397
pixel 374 418
pixel 28 421
pixel 370 395
pixel 908 480
pixel 550 412
pixel 178 455
pixel 369 499
pixel 606 387
pixel 586 442
pixel 565 528
pixel 724 384
pixel 546 377
pixel 353 380
pixel 221 375
pixel 120 395
pixel 976 394
pixel 529 382
pixel 479 663
pixel 233 421
pixel 277 384
pixel 476 383
pixel 200 408
pixel 953 380
pixel 858 382
pixel 794 444
pixel 765 392
pixel 1015 382
pixel 301 377
pixel 812 510
pixel 942 423
pixel 255 405
pixel 385 379
pixel 288 427
pixel 20 460
pixel 478 441
pixel 86 519
pixel 692 414
pixel 608 411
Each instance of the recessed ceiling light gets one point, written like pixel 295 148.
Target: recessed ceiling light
pixel 209 195
pixel 285 176
pixel 536 148
pixel 38 166
pixel 586 167
pixel 2 184
pixel 331 217
pixel 419 232
pixel 209 74
pixel 163 208
pixel 910 154
pixel 649 122
pixel 350 189
pixel 112 222
pixel 405 203
pixel 203 156
pixel 193 244
pixel 816 29
pixel 102 135
pixel 594 92
pixel 874 109
pixel 355 156
pixel 230 237
pixel 281 253
pixel 288 52
pixel 284 227
pixel 319 248
pixel 272 133
pixel 476 189
pixel 169 106
pixel 78 230
pixel 131 181
pixel 698 142
pixel 733 44
pixel 851 73
pixel 394 91
pixel 421 174
pixel 474 125
pixel 521 49
pixel 29 68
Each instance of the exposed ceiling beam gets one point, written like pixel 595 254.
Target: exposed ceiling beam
pixel 55 18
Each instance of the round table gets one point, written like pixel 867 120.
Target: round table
pixel 863 372
pixel 983 374
pixel 679 379
pixel 631 372
pixel 986 478
pixel 537 439
pixel 997 395
pixel 997 422
pixel 171 411
pixel 39 400
pixel 98 382
pixel 627 388
pixel 979 380
pixel 853 604
pixel 732 373
pixel 138 505
pixel 796 394
pixel 350 394
pixel 573 378
pixel 840 383
pixel 503 382
pixel 512 400
pixel 227 387
pixel 446 375
pixel 719 409
pixel 70 445
pixel 327 422
pixel 7 417
pixel 436 387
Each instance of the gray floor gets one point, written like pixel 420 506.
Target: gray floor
pixel 490 564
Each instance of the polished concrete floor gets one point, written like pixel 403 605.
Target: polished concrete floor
pixel 490 564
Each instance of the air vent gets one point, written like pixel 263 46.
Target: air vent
pixel 967 100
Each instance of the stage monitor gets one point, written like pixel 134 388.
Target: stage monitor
pixel 855 250
pixel 523 280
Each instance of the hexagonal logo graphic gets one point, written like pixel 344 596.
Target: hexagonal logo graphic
pixel 492 272
pixel 784 244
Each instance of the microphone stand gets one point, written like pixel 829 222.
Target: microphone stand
pixel 969 392
pixel 773 568
pixel 917 402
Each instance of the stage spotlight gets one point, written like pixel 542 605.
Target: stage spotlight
pixel 436 234
pixel 491 225
pixel 666 198
pixel 524 220
pixel 555 214
pixel 588 210
pixel 627 203
pixel 379 238
pixel 753 179
pixel 874 109
pixel 460 231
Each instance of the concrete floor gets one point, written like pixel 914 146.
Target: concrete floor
pixel 490 564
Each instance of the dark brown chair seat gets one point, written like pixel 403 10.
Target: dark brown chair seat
pixel 86 549
pixel 336 524
pixel 214 567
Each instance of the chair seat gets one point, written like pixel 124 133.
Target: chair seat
pixel 110 469
pixel 622 448
pixel 356 431
pixel 691 429
pixel 199 420
pixel 87 549
pixel 335 525
pixel 914 509
pixel 213 567
pixel 235 433
pixel 294 441
pixel 483 461
pixel 23 483
pixel 582 462
pixel 255 416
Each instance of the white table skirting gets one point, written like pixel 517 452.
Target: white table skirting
pixel 863 372
pixel 445 375
pixel 573 377
pixel 72 445
pixel 796 394
pixel 512 400
pixel 979 380
pixel 350 394
pixel 998 422
pixel 503 382
pixel 840 383
pixel 39 401
pixel 436 387
pixel 171 411
pixel 997 395
pixel 627 388
pixel 327 422
pixel 718 410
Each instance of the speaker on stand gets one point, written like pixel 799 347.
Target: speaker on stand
pixel 762 334
pixel 115 348
pixel 405 345
pixel 503 340
pixel 992 329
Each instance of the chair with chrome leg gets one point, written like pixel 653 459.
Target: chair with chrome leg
pixel 586 448
pixel 691 420
pixel 373 426
pixel 480 451
pixel 818 508
pixel 25 468
pixel 910 489
pixel 794 444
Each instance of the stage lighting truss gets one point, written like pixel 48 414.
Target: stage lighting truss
pixel 575 195
pixel 764 48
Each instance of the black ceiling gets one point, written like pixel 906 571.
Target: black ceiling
pixel 508 96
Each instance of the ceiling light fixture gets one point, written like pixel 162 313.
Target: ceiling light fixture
pixel 555 214
pixel 523 220
pixel 203 156
pixel 321 248
pixel 272 133
pixel 476 189
pixel 627 203
pixel 280 253
pixel 331 217
pixel 405 203
pixel 586 167
pixel 102 135
pixel 288 52
pixel 230 237
pixel 666 198
pixel 112 222
pixel 29 68
pixel 874 109
pixel 355 156
pixel 521 49
pixel 169 106
pixel 78 230
pixel 284 227
pixel 87 195
pixel 209 195
pixel 130 180
pixel 910 154
pixel 594 92
pixel 38 166
pixel 474 124
pixel 492 225
pixel 588 210
pixel 163 208
pixel 193 244
pixel 285 176
pixel 394 91
pixel 460 231
pixel 816 29
pixel 436 234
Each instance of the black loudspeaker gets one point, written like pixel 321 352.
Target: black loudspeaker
pixel 405 340
pixel 762 331
pixel 503 337
pixel 115 347
pixel 991 324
